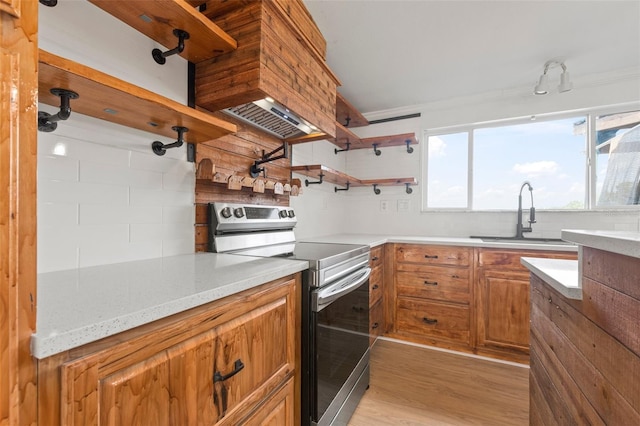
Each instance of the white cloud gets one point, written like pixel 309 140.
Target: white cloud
pixel 538 168
pixel 437 147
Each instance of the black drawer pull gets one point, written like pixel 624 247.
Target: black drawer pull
pixel 429 320
pixel 455 276
pixel 428 256
pixel 434 283
pixel 374 326
pixel 357 309
pixel 375 287
pixel 237 367
pixel 374 258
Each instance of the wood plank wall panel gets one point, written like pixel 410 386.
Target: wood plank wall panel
pixel 18 159
pixel 584 363
pixel 234 154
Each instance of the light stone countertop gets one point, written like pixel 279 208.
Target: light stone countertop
pixel 621 242
pixel 374 240
pixel 79 306
pixel 560 274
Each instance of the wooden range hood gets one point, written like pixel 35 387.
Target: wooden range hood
pixel 280 55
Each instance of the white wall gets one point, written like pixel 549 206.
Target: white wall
pixel 362 211
pixel 103 196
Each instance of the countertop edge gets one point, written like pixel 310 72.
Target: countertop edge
pixel 621 242
pixel 562 275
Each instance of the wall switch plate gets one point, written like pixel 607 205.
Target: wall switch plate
pixel 403 205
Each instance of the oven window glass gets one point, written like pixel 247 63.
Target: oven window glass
pixel 341 340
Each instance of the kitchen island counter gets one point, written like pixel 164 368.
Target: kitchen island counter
pixel 80 306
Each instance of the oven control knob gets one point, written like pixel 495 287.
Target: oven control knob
pixel 226 212
pixel 291 213
pixel 283 214
pixel 238 212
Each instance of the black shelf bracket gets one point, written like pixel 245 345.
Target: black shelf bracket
pixel 160 149
pixel 161 57
pixel 376 150
pixel 408 188
pixel 50 3
pixel 49 122
pixel 336 151
pixel 307 182
pixel 347 121
pixel 336 189
pixel 409 147
pixel 255 171
pixel 376 190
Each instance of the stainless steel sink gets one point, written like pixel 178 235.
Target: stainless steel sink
pixel 516 240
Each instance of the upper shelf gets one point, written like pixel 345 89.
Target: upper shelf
pixel 111 99
pixel 347 114
pixel 157 20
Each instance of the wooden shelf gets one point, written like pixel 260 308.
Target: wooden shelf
pixel 108 98
pixel 345 110
pixel 386 141
pixel 341 179
pixel 157 20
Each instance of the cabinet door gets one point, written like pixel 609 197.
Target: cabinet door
pixel 173 387
pixel 503 309
pixel 277 410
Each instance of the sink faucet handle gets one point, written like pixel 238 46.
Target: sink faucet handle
pixel 532 215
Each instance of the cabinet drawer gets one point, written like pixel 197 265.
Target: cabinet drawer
pixel 432 282
pixel 433 255
pixel 433 319
pixel 376 322
pixel 375 285
pixel 376 256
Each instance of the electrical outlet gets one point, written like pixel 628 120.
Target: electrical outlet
pixel 384 206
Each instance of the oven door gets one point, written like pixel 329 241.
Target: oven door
pixel 340 343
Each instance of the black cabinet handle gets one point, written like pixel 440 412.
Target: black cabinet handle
pixel 237 367
pixel 374 258
pixel 433 283
pixel 455 276
pixel 427 256
pixel 429 320
pixel 374 326
pixel 375 287
pixel 357 308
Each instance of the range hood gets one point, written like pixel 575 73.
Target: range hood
pixel 273 118
pixel 277 78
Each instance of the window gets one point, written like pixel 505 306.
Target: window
pixel 483 167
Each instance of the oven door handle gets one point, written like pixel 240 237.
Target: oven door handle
pixel 327 295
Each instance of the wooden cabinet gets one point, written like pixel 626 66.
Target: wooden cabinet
pixel 376 288
pixel 432 294
pixel 225 363
pixel 502 301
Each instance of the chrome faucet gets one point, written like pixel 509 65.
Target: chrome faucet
pixel 520 229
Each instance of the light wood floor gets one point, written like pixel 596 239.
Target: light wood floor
pixel 413 385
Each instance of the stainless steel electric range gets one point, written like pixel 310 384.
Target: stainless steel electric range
pixel 335 303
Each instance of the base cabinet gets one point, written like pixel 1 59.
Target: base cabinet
pixel 227 363
pixel 376 290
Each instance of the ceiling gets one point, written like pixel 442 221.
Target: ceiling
pixel 397 53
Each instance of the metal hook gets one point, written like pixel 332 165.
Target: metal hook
pixel 409 190
pixel 160 57
pixel 409 148
pixel 376 150
pixel 336 189
pixel 307 182
pixel 347 121
pixel 376 190
pixel 48 122
pixel 336 151
pixel 160 149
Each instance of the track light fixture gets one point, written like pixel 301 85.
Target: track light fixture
pixel 542 88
